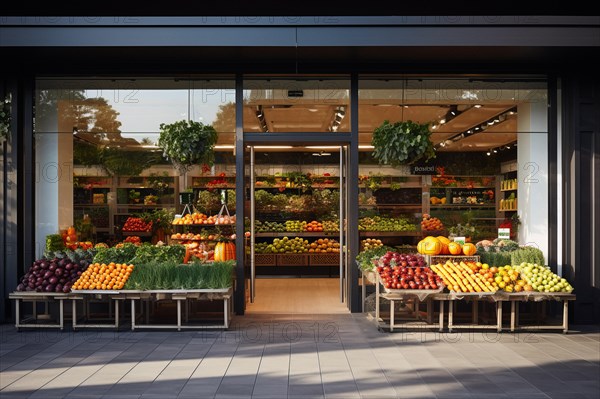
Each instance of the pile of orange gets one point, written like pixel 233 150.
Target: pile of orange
pixel 431 224
pixel 324 245
pixel 314 226
pixel 192 218
pixel 104 277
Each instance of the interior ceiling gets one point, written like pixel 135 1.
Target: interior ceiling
pixel 319 118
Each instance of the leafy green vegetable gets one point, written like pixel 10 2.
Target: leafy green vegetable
pixel 123 254
pixel 171 275
pixel 365 258
pixel 166 253
pixel 527 255
pixel 186 143
pixel 54 242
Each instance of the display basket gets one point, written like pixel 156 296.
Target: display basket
pixel 435 259
pixel 265 260
pixel 421 294
pixel 292 260
pixel 326 259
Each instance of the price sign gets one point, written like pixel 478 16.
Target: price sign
pixel 504 233
pixel 460 240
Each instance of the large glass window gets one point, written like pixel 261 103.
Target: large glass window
pixel 97 157
pixel 284 106
pixel 490 168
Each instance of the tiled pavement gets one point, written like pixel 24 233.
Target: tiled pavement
pixel 320 356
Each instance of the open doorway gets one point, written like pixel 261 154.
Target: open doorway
pixel 297 204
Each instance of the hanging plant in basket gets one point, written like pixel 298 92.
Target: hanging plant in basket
pixel 187 143
pixel 402 143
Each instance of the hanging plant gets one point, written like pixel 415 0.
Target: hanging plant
pixel 402 143
pixel 5 119
pixel 187 143
pixel 127 163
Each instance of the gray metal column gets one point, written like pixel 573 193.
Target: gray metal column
pixel 352 226
pixel 240 287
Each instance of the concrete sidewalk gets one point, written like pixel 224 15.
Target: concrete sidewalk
pixel 302 356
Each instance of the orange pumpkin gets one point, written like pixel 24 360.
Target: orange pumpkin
pixel 469 249
pixel 454 248
pixel 429 246
pixel 444 241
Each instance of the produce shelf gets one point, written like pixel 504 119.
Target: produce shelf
pixel 137 233
pixel 298 234
pixel 510 189
pixel 450 206
pixel 364 233
pixel 507 210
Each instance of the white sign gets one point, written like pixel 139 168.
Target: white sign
pixel 460 240
pixel 504 233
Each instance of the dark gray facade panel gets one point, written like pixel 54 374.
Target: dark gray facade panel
pixel 563 36
pixel 455 36
pixel 145 36
pixel 442 20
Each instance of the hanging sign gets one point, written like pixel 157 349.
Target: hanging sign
pixel 460 240
pixel 423 170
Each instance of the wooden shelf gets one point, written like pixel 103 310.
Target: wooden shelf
pixel 391 206
pixel 450 206
pixel 510 189
pixel 364 233
pixel 507 210
pixel 277 234
pixel 90 205
pixel 137 233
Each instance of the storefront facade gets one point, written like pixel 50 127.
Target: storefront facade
pixel 360 66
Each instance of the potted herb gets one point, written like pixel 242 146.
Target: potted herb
pixel 187 143
pixel 402 143
pixel 134 196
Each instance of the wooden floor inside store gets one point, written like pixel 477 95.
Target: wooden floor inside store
pixel 297 295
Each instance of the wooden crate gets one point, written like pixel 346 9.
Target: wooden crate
pixel 325 259
pixel 292 260
pixel 435 259
pixel 265 260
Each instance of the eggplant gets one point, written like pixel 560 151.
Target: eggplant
pixel 59 272
pixel 48 274
pixel 28 288
pixel 66 289
pixel 58 288
pixel 61 263
pixel 53 280
pixel 44 265
pixel 35 268
pixel 20 287
pixel 38 289
pixel 68 266
pixel 49 288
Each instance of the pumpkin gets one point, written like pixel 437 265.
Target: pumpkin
pixel 224 251
pixel 469 249
pixel 444 241
pixel 429 246
pixel 454 248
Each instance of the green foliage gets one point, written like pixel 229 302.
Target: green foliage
pixel 402 143
pixel 127 163
pixel 123 254
pixel 527 255
pixel 54 242
pixel 147 253
pixel 160 218
pixel 171 275
pixel 186 143
pixel 75 256
pixel 365 258
pixel 208 202
pixel 494 258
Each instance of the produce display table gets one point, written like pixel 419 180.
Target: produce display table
pixel 418 297
pixel 34 298
pixel 87 296
pixel 474 298
pixel 180 296
pixel 515 298
pixel 497 298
